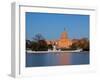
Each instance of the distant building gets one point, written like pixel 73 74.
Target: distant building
pixel 62 42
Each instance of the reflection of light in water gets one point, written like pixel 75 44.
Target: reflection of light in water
pixel 64 58
pixel 58 54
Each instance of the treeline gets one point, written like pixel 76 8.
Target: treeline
pixel 81 44
pixel 39 43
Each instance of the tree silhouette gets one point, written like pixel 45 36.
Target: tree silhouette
pixel 28 44
pixel 39 43
pixel 80 43
pixel 38 37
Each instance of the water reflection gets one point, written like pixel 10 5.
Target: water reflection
pixel 64 58
pixel 52 59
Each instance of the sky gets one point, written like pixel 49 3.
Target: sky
pixel 51 25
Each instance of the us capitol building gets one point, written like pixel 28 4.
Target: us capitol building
pixel 62 42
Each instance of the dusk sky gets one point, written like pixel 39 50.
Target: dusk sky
pixel 52 25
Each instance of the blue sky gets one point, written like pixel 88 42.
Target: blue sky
pixel 52 25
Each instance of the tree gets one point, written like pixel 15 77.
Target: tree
pixel 28 44
pixel 38 37
pixel 42 45
pixel 50 46
pixel 81 43
pixel 85 44
pixel 39 43
pixel 74 46
pixel 34 46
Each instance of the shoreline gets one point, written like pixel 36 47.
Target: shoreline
pixel 33 52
